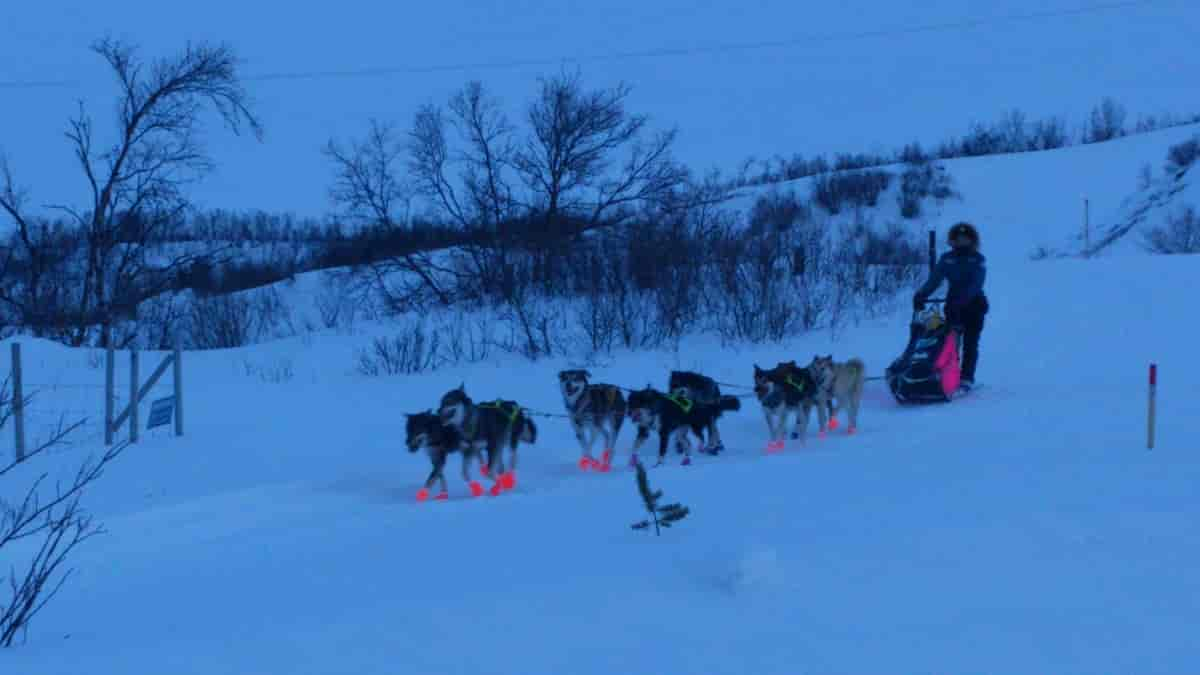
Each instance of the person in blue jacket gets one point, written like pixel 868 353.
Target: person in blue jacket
pixel 964 269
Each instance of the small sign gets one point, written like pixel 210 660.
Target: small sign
pixel 161 412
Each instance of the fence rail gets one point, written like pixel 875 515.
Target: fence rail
pixel 25 393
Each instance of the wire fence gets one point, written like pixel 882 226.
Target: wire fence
pixel 58 396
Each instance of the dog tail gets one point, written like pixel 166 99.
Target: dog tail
pixel 729 404
pixel 528 430
pixel 860 373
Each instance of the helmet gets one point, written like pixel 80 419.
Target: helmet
pixel 963 235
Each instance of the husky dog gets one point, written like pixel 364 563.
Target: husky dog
pixel 486 426
pixel 594 409
pixel 787 389
pixel 704 390
pixel 674 416
pixel 842 382
pixel 425 430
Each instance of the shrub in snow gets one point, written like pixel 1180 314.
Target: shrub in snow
pixel 835 191
pixel 1106 122
pixel 920 181
pixel 238 319
pixel 1180 234
pixel 410 352
pixel 1182 155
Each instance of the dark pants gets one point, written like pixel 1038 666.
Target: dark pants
pixel 970 322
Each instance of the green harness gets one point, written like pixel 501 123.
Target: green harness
pixel 798 386
pixel 684 403
pixel 472 423
pixel 512 414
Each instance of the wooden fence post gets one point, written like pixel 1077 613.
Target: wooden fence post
pixel 18 402
pixel 110 392
pixel 1150 412
pixel 178 377
pixel 133 395
pixel 1087 230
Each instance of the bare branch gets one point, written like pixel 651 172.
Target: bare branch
pixel 56 517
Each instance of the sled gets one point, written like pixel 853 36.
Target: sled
pixel 928 370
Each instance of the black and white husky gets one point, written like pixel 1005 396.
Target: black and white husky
pixel 785 390
pixel 703 390
pixel 488 427
pixel 673 417
pixel 595 410
pixel 425 430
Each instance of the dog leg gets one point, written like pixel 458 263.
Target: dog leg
pixel 438 459
pixel 495 465
pixel 715 445
pixel 802 413
pixel 822 417
pixel 663 441
pixel 683 443
pixel 590 432
pixel 610 437
pixel 585 461
pixel 770 414
pixel 469 455
pixel 643 434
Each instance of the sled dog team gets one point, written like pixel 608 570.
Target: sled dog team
pixel 692 406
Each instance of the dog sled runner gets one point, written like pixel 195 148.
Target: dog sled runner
pixel 928 370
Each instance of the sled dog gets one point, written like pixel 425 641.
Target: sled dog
pixel 673 416
pixel 842 382
pixel 594 410
pixel 785 390
pixel 425 430
pixel 704 390
pixel 488 427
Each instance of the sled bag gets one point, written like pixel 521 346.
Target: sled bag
pixel 928 370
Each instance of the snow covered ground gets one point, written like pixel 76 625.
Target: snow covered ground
pixel 1024 529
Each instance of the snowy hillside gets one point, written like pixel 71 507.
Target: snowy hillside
pixel 1035 200
pixel 1024 529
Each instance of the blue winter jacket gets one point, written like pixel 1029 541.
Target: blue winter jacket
pixel 965 271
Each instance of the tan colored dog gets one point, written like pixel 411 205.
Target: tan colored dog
pixel 839 382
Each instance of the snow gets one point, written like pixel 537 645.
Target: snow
pixel 859 80
pixel 1026 201
pixel 1025 528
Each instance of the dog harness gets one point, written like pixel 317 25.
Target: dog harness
pixel 798 386
pixel 498 404
pixel 684 403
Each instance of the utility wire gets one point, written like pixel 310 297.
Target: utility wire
pixel 655 53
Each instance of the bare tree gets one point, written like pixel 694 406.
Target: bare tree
pixel 136 185
pixel 368 187
pixel 567 161
pixel 52 517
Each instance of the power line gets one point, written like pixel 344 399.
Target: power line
pixel 660 52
